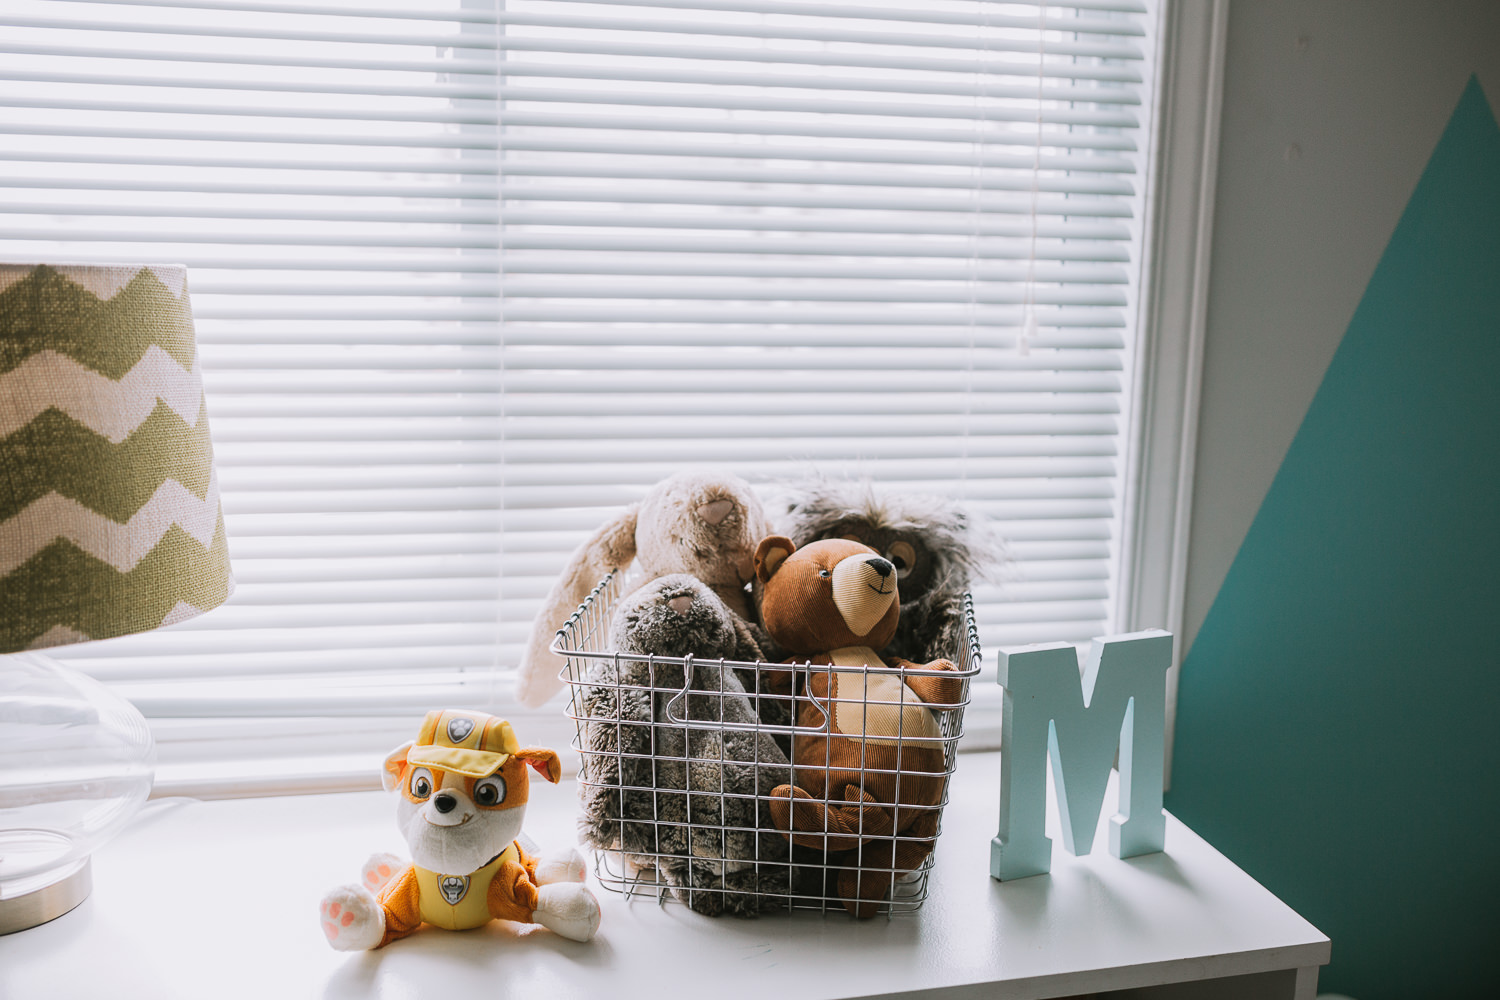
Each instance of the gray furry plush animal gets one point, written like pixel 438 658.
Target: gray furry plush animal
pixel 936 545
pixel 689 801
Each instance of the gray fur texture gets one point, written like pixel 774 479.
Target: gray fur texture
pixel 937 546
pixel 690 802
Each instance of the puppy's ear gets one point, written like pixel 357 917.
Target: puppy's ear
pixel 544 761
pixel 395 764
pixel 770 554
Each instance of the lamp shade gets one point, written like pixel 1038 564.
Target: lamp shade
pixel 110 521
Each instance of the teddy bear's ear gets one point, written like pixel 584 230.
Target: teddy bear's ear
pixel 395 763
pixel 770 554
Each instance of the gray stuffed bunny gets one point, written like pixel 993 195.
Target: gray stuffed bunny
pixel 691 802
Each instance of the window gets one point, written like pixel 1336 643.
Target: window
pixel 469 275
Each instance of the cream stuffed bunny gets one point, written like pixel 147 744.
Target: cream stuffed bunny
pixel 702 523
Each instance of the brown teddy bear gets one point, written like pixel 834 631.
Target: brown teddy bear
pixel 869 788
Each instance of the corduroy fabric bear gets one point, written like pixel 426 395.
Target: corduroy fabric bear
pixel 867 790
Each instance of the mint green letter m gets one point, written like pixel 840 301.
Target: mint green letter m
pixel 1120 701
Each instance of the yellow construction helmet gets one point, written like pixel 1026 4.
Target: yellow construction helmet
pixel 469 743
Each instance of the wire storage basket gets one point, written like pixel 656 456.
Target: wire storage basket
pixel 733 787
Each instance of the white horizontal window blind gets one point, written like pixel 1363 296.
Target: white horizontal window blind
pixel 897 240
pixel 471 274
pixel 327 171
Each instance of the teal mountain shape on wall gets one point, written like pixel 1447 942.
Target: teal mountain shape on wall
pixel 1336 731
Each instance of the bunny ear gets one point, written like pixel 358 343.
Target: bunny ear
pixel 612 547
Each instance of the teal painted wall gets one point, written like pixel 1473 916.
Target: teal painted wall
pixel 1336 730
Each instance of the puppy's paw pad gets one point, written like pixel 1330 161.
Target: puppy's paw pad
pixel 567 867
pixel 351 918
pixel 379 870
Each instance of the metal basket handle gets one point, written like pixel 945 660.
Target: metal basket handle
pixel 675 716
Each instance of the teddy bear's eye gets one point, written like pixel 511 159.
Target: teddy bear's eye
pixel 421 783
pixel 824 573
pixel 490 791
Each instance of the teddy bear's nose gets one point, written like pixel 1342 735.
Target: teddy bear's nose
pixel 444 802
pixel 882 566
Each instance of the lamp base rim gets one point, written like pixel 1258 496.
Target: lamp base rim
pixel 48 902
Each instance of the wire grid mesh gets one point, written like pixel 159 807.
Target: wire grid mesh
pixel 682 771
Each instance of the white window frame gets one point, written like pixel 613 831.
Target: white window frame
pixel 1172 321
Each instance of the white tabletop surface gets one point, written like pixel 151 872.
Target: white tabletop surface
pixel 220 899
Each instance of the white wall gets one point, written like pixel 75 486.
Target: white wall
pixel 1331 110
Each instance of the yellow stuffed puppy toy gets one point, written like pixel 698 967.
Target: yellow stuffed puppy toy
pixel 463 788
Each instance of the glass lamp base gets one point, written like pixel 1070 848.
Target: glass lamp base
pixel 76 762
pixel 27 902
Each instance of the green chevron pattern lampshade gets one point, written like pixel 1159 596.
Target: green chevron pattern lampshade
pixel 110 520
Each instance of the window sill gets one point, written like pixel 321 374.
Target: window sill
pixel 220 898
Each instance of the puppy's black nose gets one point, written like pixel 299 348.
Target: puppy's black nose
pixel 882 566
pixel 444 802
